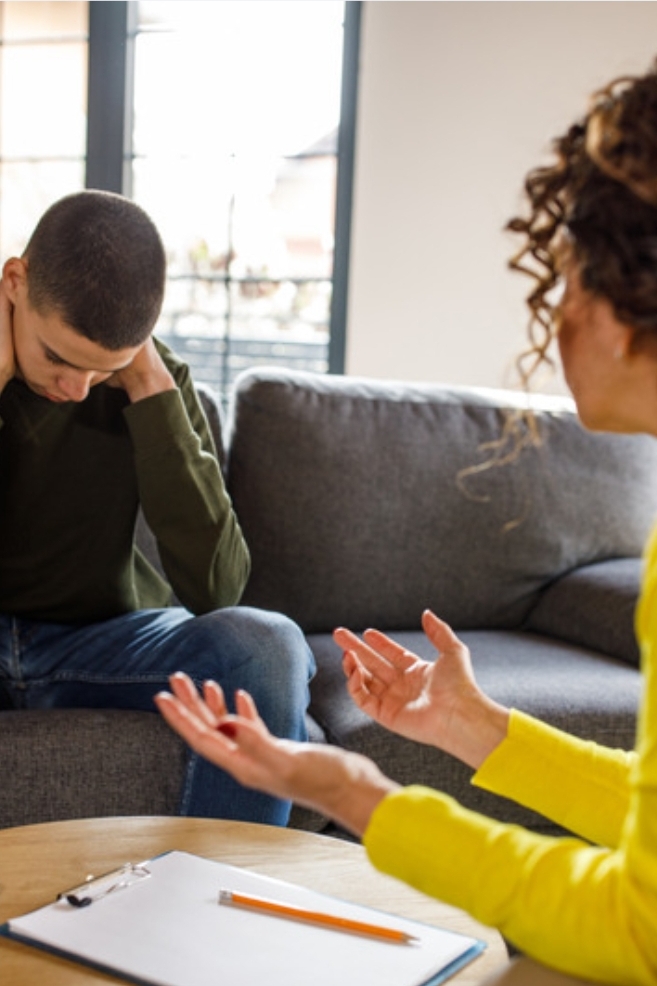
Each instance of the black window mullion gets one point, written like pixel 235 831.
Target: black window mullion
pixel 110 96
pixel 345 183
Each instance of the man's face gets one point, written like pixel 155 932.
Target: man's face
pixel 53 359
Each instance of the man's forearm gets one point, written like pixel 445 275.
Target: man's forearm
pixel 185 503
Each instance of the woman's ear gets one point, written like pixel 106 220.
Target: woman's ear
pixel 14 278
pixel 638 344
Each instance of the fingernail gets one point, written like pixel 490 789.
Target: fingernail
pixel 227 729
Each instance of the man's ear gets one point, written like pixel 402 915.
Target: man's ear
pixel 14 278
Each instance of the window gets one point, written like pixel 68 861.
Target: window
pixel 232 124
pixel 43 112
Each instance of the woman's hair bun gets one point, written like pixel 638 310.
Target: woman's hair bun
pixel 621 133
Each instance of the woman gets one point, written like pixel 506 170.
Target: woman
pixel 586 906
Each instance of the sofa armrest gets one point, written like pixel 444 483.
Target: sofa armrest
pixel 593 606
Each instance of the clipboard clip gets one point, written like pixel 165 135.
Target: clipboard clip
pixel 96 887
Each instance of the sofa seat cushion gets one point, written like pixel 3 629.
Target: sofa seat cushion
pixel 85 763
pixel 356 509
pixel 570 687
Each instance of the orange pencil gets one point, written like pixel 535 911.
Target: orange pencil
pixel 315 917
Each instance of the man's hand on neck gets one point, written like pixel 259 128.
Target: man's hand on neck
pixel 145 376
pixel 7 356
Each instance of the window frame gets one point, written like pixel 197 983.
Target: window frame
pixel 109 152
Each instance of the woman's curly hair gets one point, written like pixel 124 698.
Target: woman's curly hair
pixel 597 206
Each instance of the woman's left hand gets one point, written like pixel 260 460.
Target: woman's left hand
pixel 436 702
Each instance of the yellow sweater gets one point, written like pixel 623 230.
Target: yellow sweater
pixel 588 908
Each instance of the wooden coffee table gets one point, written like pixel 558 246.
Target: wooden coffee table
pixel 37 861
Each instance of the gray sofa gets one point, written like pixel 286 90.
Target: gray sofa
pixel 361 507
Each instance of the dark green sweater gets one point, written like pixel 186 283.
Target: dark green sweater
pixel 72 477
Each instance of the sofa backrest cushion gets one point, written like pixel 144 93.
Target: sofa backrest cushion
pixel 351 498
pixel 594 606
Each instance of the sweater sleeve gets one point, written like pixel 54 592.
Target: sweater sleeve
pixel 582 786
pixel 589 911
pixel 185 501
pixel 575 907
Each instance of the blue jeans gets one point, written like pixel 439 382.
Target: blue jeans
pixel 121 663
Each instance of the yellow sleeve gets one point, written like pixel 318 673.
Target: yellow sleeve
pixel 578 908
pixel 580 785
pixel 586 910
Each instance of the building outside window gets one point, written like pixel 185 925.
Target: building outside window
pixel 231 121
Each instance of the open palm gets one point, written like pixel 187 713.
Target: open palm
pixel 421 700
pixel 346 786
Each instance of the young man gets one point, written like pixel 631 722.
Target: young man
pixel 97 418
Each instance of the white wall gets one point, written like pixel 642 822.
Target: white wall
pixel 457 101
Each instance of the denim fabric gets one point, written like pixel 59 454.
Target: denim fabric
pixel 121 663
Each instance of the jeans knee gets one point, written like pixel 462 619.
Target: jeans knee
pixel 279 639
pixel 267 655
pixel 271 639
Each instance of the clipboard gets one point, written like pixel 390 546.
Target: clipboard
pixel 160 923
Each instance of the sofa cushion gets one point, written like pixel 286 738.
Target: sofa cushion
pixel 351 496
pixel 574 689
pixel 85 763
pixel 594 606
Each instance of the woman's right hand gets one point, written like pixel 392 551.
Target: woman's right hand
pixel 343 785
pixel 434 702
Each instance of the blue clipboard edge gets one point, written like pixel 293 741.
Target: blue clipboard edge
pixel 457 964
